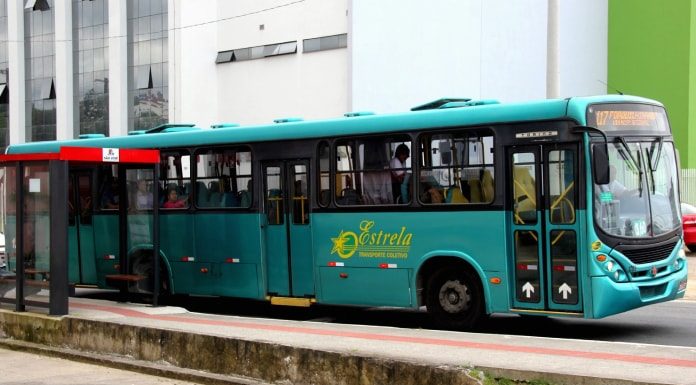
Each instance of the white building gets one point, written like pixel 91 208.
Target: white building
pixel 111 66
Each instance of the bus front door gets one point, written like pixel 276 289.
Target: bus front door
pixel 287 231
pixel 544 228
pixel 81 258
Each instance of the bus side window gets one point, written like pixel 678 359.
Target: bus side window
pixel 324 177
pixel 457 166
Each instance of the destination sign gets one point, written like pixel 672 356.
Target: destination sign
pixel 628 117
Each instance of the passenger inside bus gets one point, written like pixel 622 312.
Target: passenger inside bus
pixel 430 194
pixel 398 173
pixel 173 201
pixel 143 197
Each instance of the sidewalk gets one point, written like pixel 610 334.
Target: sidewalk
pixel 302 352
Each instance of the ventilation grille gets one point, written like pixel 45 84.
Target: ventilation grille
pixel 643 255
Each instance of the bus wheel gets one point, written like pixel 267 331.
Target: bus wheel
pixel 454 299
pixel 142 265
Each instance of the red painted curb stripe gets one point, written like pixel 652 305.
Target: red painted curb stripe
pixel 383 337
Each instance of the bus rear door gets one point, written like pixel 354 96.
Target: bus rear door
pixel 288 239
pixel 544 228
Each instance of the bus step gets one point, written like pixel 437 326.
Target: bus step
pixel 292 301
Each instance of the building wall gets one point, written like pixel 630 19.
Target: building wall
pixel 651 54
pixel 405 53
pixel 309 85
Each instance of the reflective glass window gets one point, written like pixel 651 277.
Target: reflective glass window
pixel 147 48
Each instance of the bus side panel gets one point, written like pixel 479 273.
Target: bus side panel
pixel 177 243
pixel 384 242
pixel 231 243
pixel 365 286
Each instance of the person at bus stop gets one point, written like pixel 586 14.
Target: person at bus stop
pixel 173 201
pixel 398 167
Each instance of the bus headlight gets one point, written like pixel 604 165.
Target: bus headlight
pixel 609 266
pixel 681 253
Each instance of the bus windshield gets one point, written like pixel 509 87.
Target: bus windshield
pixel 641 198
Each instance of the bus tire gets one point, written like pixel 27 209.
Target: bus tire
pixel 454 299
pixel 142 265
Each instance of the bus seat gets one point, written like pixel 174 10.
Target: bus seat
pixel 229 199
pixel 487 187
pixel 525 195
pixel 349 197
pixel 201 194
pixel 214 186
pixel 325 197
pixel 214 199
pixel 454 195
pixel 525 188
pixel 475 190
pixel 244 198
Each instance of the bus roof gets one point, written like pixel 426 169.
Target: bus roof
pixel 356 124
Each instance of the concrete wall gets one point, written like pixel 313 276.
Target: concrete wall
pixel 408 52
pixel 312 85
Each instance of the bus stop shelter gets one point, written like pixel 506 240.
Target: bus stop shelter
pixel 35 216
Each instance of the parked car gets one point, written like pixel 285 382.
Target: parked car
pixel 689 224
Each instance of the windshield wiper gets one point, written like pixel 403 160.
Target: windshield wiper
pixel 654 161
pixel 634 164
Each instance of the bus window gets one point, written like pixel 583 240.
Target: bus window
pixel 562 186
pixel 524 188
pixel 373 171
pixel 456 168
pixel 226 176
pixel 175 180
pixel 300 194
pixel 324 176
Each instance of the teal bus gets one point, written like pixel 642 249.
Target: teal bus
pixel 465 207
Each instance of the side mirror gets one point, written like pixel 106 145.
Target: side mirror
pixel 600 164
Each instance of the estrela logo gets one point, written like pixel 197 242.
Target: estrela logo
pixel 369 243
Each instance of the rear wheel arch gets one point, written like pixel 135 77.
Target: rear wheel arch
pixel 140 262
pixel 452 288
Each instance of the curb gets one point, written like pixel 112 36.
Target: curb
pixel 123 363
pixel 222 361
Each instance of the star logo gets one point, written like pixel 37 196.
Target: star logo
pixel 345 244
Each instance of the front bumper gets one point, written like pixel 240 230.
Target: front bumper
pixel 609 297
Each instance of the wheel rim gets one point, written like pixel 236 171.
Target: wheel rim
pixel 454 297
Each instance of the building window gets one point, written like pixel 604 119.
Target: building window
pixel 91 66
pixel 148 84
pixel 258 52
pixel 325 43
pixel 37 5
pixel 40 71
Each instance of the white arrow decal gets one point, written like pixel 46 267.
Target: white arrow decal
pixel 565 290
pixel 528 289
